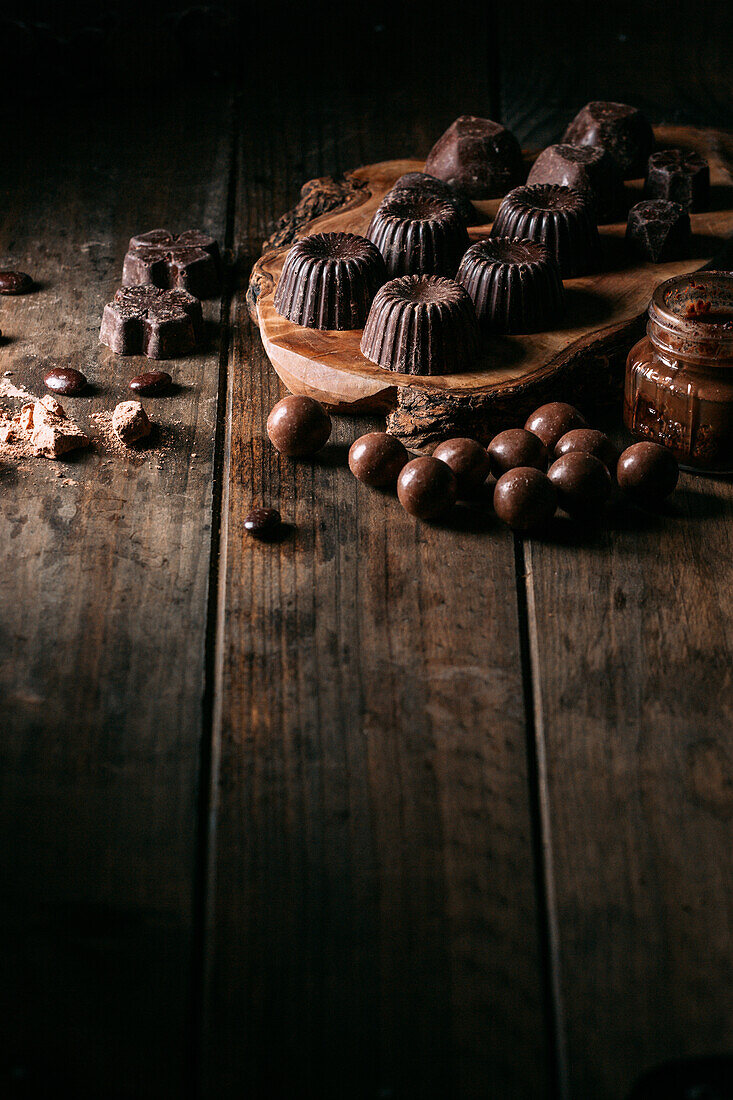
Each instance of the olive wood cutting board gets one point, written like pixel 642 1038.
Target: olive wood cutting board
pixel 581 360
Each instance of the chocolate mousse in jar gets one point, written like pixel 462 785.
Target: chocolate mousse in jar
pixel 679 378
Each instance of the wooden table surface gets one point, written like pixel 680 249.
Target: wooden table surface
pixel 387 809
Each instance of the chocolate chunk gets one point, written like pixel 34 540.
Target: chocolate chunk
pixel 421 324
pixel 582 482
pixel 189 261
pixel 659 230
pixel 66 381
pixel 588 169
pixel 647 472
pixel 298 426
pixel 51 432
pixel 469 462
pixel 516 447
pixel 329 280
pixel 515 285
pixel 421 183
pixel 426 487
pixel 15 282
pixel 477 155
pixel 130 421
pixel 377 458
pixel 680 177
pixel 552 421
pixel 525 499
pixel 418 234
pixel 557 217
pixel 144 320
pixel 622 131
pixel 151 384
pixel 263 523
pixel 591 442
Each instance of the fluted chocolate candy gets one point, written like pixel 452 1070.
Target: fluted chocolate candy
pixel 525 499
pixel 159 258
pixel 422 183
pixel 479 156
pixel 588 169
pixel 516 447
pixel 621 130
pixel 426 487
pixel 469 462
pixel 659 230
pixel 515 285
pixel 144 320
pixel 421 324
pixel 550 422
pixel 589 441
pixel 647 472
pixel 680 177
pixel 582 482
pixel 557 217
pixel 418 234
pixel 298 426
pixel 377 458
pixel 329 280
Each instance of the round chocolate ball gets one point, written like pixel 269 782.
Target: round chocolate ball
pixel 298 426
pixel 468 460
pixel 582 482
pixel 263 523
pixel 66 381
pixel 647 472
pixel 516 447
pixel 591 442
pixel 426 487
pixel 524 498
pixel 377 458
pixel 550 422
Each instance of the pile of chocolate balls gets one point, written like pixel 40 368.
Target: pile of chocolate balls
pixel 554 461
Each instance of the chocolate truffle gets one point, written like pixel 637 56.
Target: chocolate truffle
pixel 65 380
pixel 263 523
pixel 469 462
pixel 659 230
pixel 552 421
pixel 582 482
pixel 588 169
pixel 621 130
pixel 377 458
pixel 328 281
pixel 515 285
pixel 477 155
pixel 680 177
pixel 426 487
pixel 524 498
pixel 647 472
pixel 421 183
pixel 158 258
pixel 298 426
pixel 516 447
pixel 144 320
pixel 559 218
pixel 421 324
pixel 590 441
pixel 15 282
pixel 418 234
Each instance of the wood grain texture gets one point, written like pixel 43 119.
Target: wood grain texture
pixel 103 592
pixel 373 929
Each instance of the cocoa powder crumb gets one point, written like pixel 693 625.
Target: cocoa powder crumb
pixel 130 422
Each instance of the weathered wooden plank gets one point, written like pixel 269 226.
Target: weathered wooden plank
pixel 103 591
pixel 373 927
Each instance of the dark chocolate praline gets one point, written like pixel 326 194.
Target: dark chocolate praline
pixel 582 482
pixel 551 421
pixel 298 426
pixel 679 176
pixel 659 231
pixel 515 285
pixel 377 458
pixel 588 169
pixel 469 462
pixel 647 472
pixel 557 217
pixel 525 499
pixel 426 487
pixel 478 155
pixel 623 131
pixel 418 234
pixel 421 183
pixel 145 320
pixel 516 447
pixel 189 260
pixel 329 280
pixel 421 324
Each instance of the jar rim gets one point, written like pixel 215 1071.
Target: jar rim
pixel 676 324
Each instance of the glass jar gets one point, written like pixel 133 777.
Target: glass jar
pixel 679 378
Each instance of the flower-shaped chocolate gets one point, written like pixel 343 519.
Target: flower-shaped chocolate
pixel 145 320
pixel 189 261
